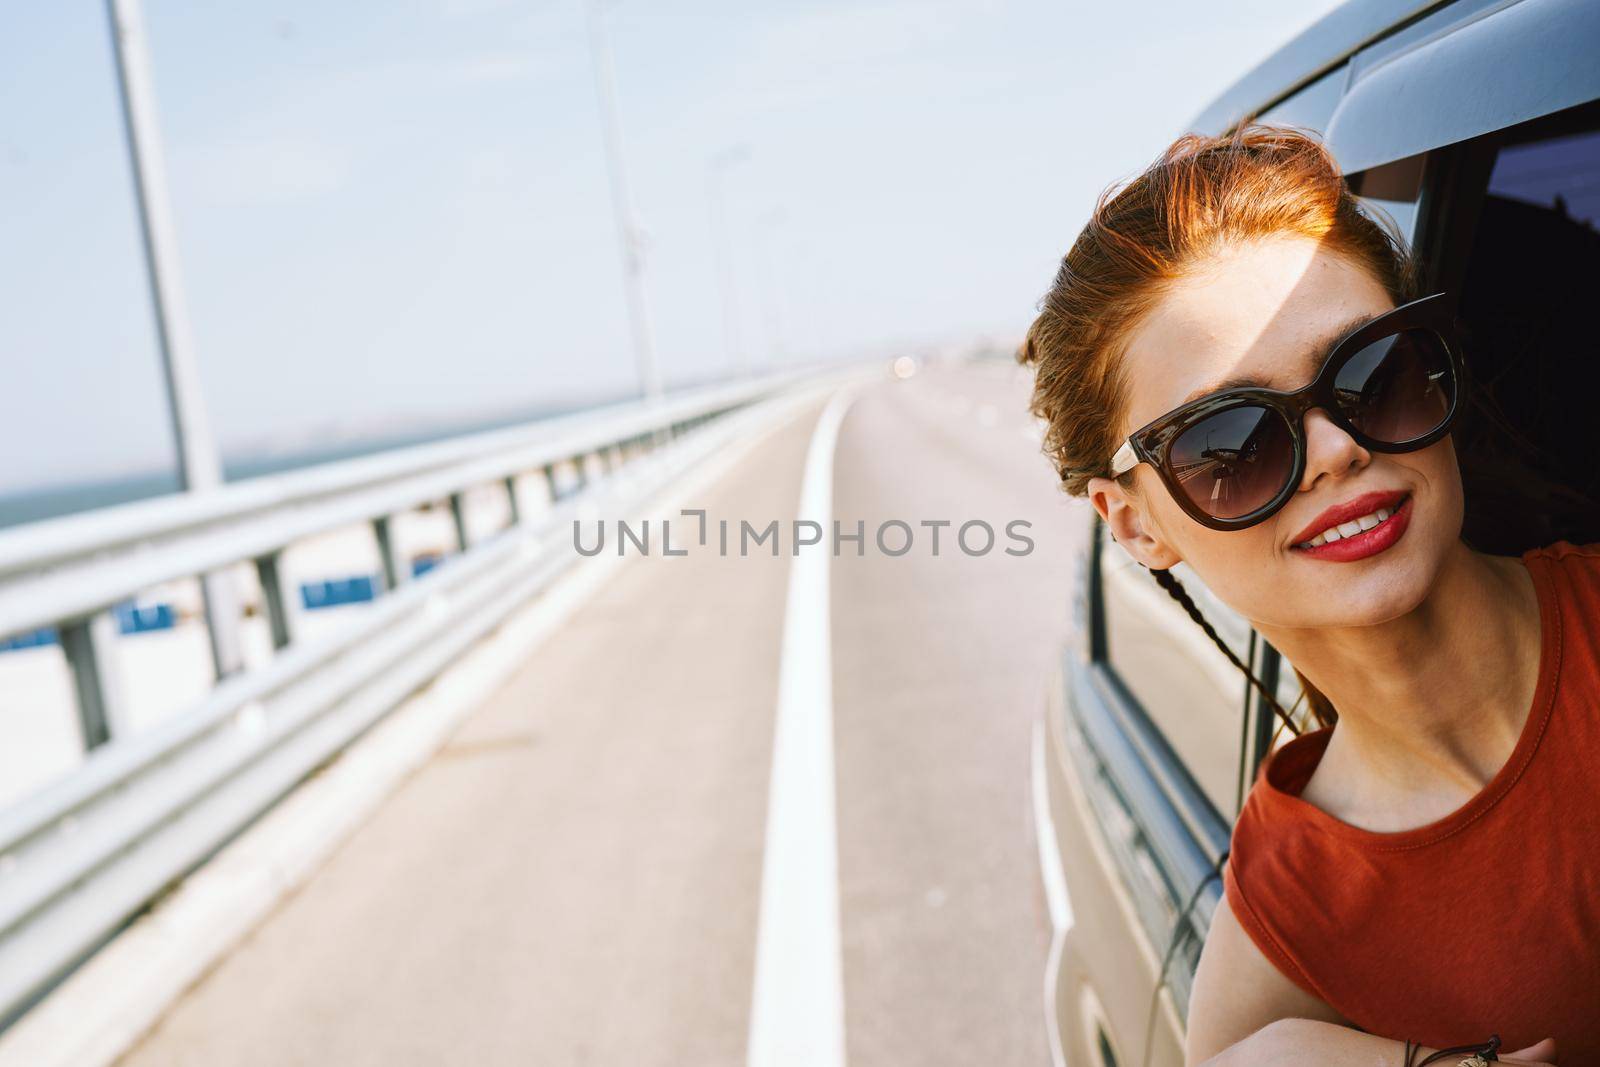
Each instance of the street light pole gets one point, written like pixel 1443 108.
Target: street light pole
pixel 199 462
pixel 629 238
pixel 716 169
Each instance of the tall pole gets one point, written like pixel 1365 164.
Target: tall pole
pixel 716 170
pixel 629 238
pixel 199 463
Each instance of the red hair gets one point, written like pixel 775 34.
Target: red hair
pixel 1202 195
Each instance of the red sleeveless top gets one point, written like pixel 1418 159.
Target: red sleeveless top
pixel 1486 921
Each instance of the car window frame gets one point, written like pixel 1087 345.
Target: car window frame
pixel 1453 182
pixel 1141 777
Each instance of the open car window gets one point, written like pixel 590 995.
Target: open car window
pixel 1527 291
pixel 1529 222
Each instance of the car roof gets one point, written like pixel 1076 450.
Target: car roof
pixel 1322 46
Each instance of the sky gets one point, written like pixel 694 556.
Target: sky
pixel 397 214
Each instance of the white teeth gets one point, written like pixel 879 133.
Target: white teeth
pixel 1349 529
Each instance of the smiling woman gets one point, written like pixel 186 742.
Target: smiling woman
pixel 1238 371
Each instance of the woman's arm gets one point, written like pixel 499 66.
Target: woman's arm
pixel 1243 1012
pixel 1300 1041
pixel 1238 991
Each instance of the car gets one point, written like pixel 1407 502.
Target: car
pixel 1475 126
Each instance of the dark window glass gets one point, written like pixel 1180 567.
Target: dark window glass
pixel 1560 175
pixel 1527 457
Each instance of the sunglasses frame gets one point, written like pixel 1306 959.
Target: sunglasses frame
pixel 1152 443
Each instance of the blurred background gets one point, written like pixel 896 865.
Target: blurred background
pixel 410 276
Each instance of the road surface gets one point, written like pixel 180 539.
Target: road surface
pixel 576 877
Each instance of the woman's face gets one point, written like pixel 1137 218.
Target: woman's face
pixel 1265 310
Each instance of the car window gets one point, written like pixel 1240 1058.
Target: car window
pixel 1393 190
pixel 1534 253
pixel 1559 174
pixel 1530 274
pixel 1184 683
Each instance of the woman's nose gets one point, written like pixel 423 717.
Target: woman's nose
pixel 1329 450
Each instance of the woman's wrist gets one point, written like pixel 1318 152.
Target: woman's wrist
pixel 1290 1041
pixel 1476 1055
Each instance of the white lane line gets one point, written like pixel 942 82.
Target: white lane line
pixel 797 1009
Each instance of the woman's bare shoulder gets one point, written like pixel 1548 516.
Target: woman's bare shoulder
pixel 1237 991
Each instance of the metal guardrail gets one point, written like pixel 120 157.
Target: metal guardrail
pixel 69 572
pixel 82 856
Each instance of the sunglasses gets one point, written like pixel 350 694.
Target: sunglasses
pixel 1234 458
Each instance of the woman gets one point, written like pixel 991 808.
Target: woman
pixel 1426 866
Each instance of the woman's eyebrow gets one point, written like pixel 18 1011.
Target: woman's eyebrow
pixel 1315 356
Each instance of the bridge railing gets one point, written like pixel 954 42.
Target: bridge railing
pixel 80 856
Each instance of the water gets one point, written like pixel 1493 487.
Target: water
pixel 33 505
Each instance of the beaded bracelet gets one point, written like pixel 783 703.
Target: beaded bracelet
pixel 1481 1053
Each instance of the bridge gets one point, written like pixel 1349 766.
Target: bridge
pixel 697 728
pixel 706 738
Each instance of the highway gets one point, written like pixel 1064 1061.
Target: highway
pixel 576 876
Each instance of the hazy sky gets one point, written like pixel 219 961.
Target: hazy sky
pixel 390 211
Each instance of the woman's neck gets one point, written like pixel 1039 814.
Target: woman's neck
pixel 1431 703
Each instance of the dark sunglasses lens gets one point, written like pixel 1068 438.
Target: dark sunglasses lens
pixel 1397 388
pixel 1234 461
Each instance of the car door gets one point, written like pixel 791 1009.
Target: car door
pixel 1472 127
pixel 1146 737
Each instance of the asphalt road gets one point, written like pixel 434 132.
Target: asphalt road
pixel 576 877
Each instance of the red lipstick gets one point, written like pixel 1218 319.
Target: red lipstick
pixel 1365 543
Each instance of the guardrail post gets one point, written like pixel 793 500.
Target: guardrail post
pixel 515 516
pixel 272 599
pixel 583 471
pixel 393 573
pixel 90 647
pixel 219 591
pixel 458 516
pixel 606 464
pixel 550 482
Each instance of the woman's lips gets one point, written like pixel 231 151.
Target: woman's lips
pixel 1367 542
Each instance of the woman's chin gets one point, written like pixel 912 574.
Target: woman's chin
pixel 1378 595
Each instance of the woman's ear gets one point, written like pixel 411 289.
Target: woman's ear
pixel 1120 508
